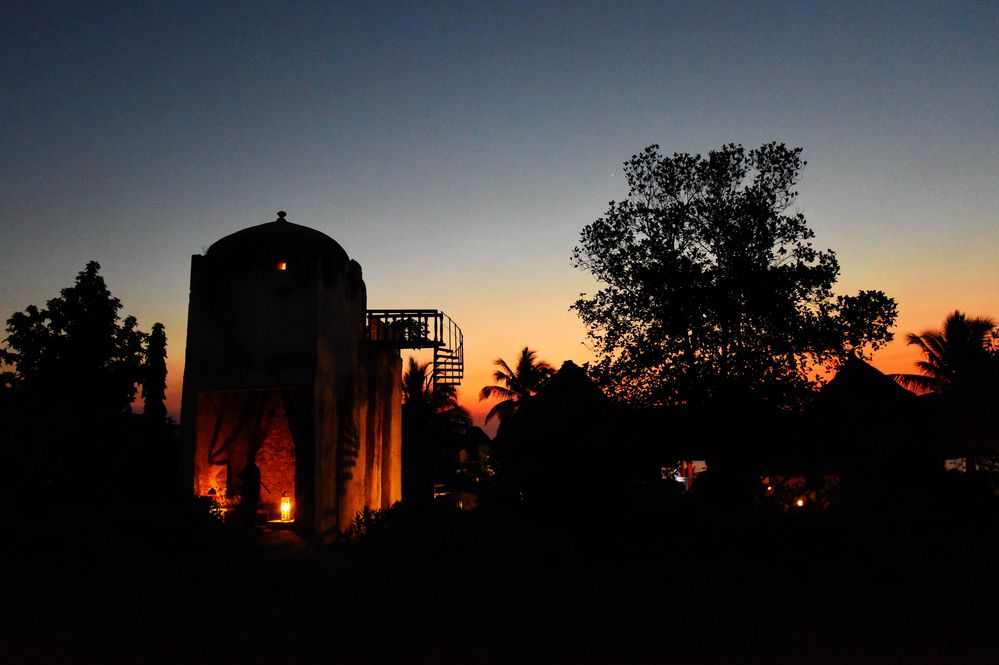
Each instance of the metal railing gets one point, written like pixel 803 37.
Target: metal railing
pixel 421 329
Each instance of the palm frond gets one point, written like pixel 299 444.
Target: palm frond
pixel 503 410
pixel 917 382
pixel 504 372
pixel 497 391
pixel 456 415
pixel 515 385
pixel 415 382
pixel 957 357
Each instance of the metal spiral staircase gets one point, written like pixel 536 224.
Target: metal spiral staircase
pixel 421 329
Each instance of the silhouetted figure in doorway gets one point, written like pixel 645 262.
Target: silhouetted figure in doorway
pixel 251 495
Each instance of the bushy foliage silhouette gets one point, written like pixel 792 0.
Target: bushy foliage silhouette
pixel 711 286
pixel 74 368
pixel 77 351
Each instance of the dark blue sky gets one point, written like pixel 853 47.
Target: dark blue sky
pixel 457 149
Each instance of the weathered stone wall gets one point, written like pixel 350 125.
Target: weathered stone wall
pixel 276 458
pixel 388 391
pixel 338 374
pixel 371 476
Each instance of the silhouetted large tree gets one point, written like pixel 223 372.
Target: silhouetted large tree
pixel 77 352
pixel 75 367
pixel 710 286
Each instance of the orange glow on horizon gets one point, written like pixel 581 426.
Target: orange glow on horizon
pixel 896 358
pixel 558 336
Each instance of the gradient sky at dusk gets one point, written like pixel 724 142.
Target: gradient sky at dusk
pixel 457 149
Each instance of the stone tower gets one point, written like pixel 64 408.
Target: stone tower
pixel 281 373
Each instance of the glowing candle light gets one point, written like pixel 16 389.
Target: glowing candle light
pixel 285 508
pixel 282 265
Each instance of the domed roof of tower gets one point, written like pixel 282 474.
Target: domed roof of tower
pixel 277 235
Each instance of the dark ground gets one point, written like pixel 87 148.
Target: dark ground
pixel 680 580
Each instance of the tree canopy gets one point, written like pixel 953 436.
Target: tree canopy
pixel 710 286
pixel 77 352
pixel 73 370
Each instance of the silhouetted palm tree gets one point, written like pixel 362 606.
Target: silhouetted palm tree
pixel 961 364
pixel 436 405
pixel 515 385
pixel 433 424
pixel 960 359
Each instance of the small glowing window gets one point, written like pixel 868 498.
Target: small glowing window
pixel 282 265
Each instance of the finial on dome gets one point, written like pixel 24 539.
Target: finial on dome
pixel 281 216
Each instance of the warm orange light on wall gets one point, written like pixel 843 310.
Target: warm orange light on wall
pixel 285 508
pixel 282 265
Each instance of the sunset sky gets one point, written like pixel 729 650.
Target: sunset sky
pixel 456 150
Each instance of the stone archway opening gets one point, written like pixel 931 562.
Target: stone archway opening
pixel 235 429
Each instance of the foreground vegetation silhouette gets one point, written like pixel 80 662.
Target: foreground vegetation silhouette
pixel 825 528
pixel 434 430
pixel 73 371
pixel 959 370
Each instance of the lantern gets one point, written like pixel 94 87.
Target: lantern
pixel 285 507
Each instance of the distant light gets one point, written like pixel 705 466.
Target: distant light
pixel 285 508
pixel 282 265
pixel 770 488
pixel 214 508
pixel 799 503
